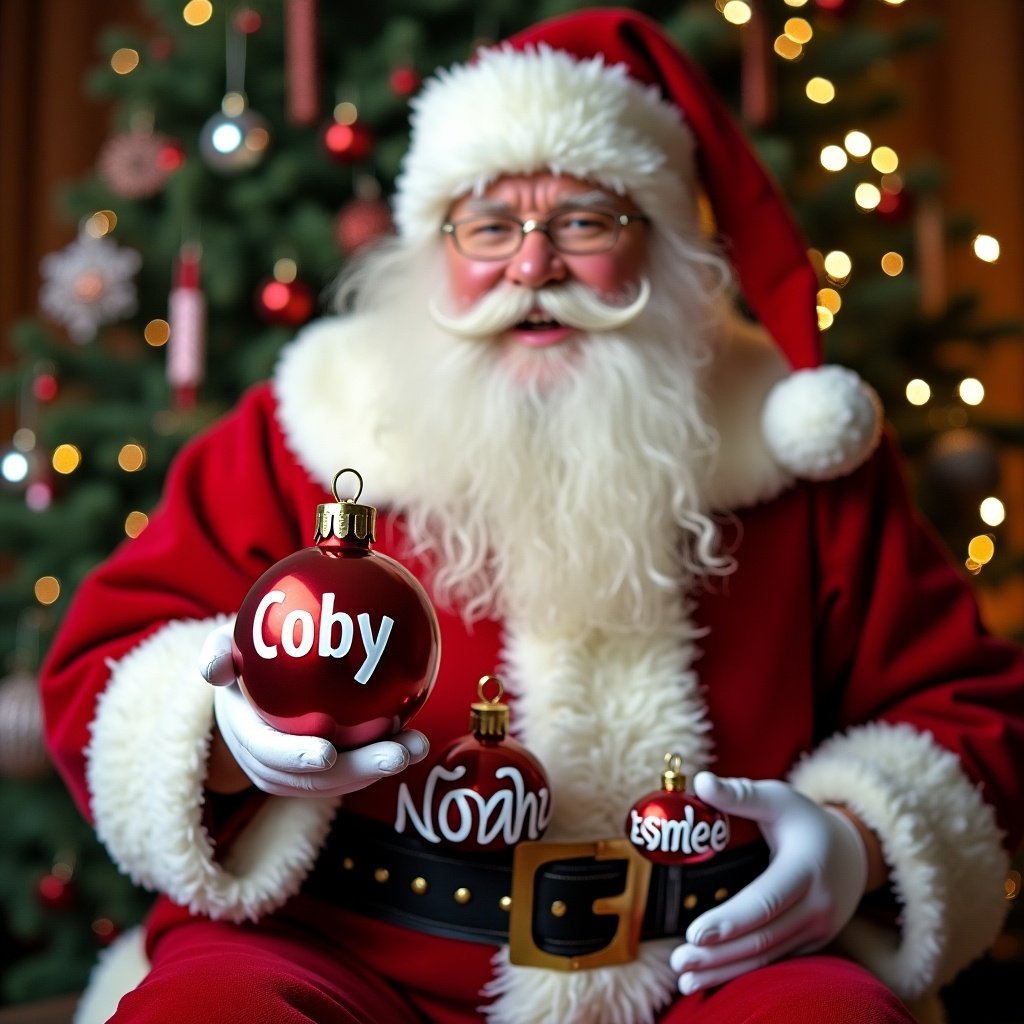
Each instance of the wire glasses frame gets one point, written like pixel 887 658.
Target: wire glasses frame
pixel 571 232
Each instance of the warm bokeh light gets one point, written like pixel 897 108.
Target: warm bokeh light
pixel 971 391
pixel 737 12
pixel 135 523
pixel 101 223
pixel 867 195
pixel 986 248
pixel 799 30
pixel 787 49
pixel 132 457
pixel 820 90
pixel 157 333
pixel 197 12
pixel 892 264
pixel 233 104
pixel 884 160
pixel 918 391
pixel 66 458
pixel 992 512
pixel 24 439
pixel 285 270
pixel 834 158
pixel 981 549
pixel 1011 887
pixel 825 318
pixel 125 60
pixel 857 143
pixel 830 299
pixel 838 265
pixel 346 113
pixel 47 589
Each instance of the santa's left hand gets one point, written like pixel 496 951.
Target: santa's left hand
pixel 812 885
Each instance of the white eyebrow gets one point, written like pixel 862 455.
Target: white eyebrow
pixel 499 207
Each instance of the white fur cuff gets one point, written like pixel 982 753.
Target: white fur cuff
pixel 146 773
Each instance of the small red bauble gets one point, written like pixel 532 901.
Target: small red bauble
pixel 337 640
pixel 672 826
pixel 289 303
pixel 362 221
pixel 895 205
pixel 55 892
pixel 404 81
pixel 486 792
pixel 348 143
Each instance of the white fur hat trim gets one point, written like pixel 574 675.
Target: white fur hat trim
pixel 821 423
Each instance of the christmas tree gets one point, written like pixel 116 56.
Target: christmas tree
pixel 252 153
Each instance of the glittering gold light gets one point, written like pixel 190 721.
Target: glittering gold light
pixel 233 104
pixel 346 113
pixel 285 270
pixel 867 195
pixel 1011 887
pixel 799 30
pixel 830 299
pixel 884 160
pixel 157 333
pixel 787 49
pixel 892 264
pixel 981 549
pixel 820 90
pixel 857 143
pixel 47 589
pixel 736 12
pixel 986 248
pixel 918 391
pixel 971 391
pixel 125 60
pixel 825 318
pixel 795 3
pixel 101 223
pixel 135 523
pixel 833 158
pixel 838 265
pixel 132 457
pixel 197 12
pixel 66 458
pixel 992 512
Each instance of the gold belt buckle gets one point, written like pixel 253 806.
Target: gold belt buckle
pixel 628 905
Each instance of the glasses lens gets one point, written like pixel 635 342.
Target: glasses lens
pixel 487 238
pixel 583 231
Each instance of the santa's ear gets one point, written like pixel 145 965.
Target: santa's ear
pixel 821 423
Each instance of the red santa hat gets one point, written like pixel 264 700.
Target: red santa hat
pixel 606 96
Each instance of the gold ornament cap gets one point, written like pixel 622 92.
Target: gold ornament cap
pixel 672 779
pixel 345 518
pixel 488 718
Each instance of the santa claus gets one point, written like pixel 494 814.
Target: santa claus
pixel 666 525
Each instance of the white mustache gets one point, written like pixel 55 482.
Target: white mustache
pixel 573 305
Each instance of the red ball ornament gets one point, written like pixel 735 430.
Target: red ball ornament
pixel 337 640
pixel 55 893
pixel 348 143
pixel 404 81
pixel 840 7
pixel 362 221
pixel 486 792
pixel 45 387
pixel 895 205
pixel 672 826
pixel 285 302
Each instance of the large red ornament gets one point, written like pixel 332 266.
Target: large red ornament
pixel 337 640
pixel 486 791
pixel 672 826
pixel 348 143
pixel 290 303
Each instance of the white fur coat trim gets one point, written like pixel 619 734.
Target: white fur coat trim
pixel 940 840
pixel 146 771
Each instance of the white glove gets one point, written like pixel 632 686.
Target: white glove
pixel 810 889
pixel 286 765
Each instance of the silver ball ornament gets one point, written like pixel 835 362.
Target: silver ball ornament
pixel 235 138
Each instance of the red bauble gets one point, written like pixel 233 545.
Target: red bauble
pixel 55 892
pixel 404 81
pixel 285 302
pixel 840 7
pixel 672 826
pixel 348 143
pixel 337 640
pixel 362 221
pixel 895 205
pixel 486 792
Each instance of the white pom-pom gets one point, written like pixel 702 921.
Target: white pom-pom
pixel 821 423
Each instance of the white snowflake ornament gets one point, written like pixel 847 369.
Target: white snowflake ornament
pixel 89 283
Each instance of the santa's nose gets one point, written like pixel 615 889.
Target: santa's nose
pixel 537 262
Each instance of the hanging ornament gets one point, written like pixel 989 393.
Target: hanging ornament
pixel 930 252
pixel 56 893
pixel 346 138
pixel 486 792
pixel 404 81
pixel 45 385
pixel 673 826
pixel 137 164
pixel 363 219
pixel 22 750
pixel 283 298
pixel 839 7
pixel 337 640
pixel 301 61
pixel 758 70
pixel 186 345
pixel 89 283
pixel 895 204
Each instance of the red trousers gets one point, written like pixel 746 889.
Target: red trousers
pixel 283 972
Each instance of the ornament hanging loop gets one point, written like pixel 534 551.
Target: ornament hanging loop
pixel 482 684
pixel 338 476
pixel 672 778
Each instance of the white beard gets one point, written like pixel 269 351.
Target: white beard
pixel 554 486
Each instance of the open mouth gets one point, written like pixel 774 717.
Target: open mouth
pixel 538 322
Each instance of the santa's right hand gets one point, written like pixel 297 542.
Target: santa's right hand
pixel 285 765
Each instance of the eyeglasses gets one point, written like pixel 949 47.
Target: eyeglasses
pixel 572 232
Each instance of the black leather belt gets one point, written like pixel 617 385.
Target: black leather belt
pixel 540 898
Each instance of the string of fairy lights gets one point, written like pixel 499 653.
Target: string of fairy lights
pixel 881 184
pixel 878 192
